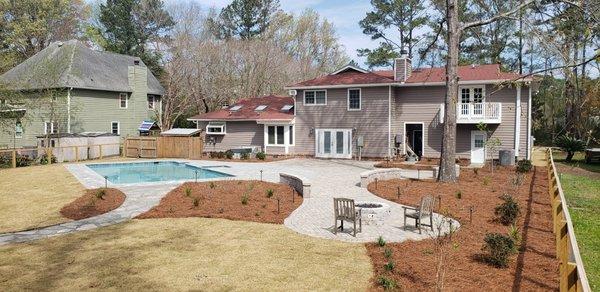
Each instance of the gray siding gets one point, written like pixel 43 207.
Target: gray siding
pixel 237 134
pixel 371 121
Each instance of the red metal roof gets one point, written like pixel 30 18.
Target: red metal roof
pixel 488 72
pixel 248 111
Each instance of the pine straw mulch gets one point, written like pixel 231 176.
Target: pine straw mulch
pixel 93 203
pixel 534 268
pixel 224 199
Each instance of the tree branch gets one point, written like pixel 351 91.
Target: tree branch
pixel 495 17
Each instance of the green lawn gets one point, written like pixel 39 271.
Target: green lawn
pixel 578 161
pixel 583 195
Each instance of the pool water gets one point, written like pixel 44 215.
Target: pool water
pixel 125 173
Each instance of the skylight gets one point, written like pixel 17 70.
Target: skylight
pixel 260 108
pixel 235 108
pixel 287 107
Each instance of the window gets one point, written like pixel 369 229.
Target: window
pixel 215 128
pixel 152 102
pixel 473 94
pixel 236 108
pixel 287 107
pixel 260 108
pixel 315 97
pixel 115 128
pixel 18 130
pixel 275 135
pixel 50 127
pixel 354 99
pixel 123 100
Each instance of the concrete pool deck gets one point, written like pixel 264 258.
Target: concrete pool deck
pixel 329 179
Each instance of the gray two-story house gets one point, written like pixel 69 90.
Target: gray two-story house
pixel 353 112
pixel 70 88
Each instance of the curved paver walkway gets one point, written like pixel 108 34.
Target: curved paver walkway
pixel 329 179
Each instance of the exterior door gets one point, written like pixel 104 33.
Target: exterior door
pixel 478 146
pixel 417 142
pixel 333 143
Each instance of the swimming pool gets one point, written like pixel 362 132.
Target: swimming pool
pixel 157 171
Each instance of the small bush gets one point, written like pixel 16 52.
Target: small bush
pixel 386 283
pixel 212 185
pixel 270 193
pixel 570 145
pixel 245 199
pixel 387 253
pixel 245 156
pixel 100 194
pixel 44 159
pixel 476 171
pixel 486 181
pixel 498 248
pixel 515 234
pixel 389 266
pixel 508 211
pixel 188 191
pixel 524 166
pixel 381 241
pixel 219 155
pixel 229 154
pixel 261 155
pixel 458 195
pixel 196 202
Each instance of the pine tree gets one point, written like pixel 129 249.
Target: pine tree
pixel 244 19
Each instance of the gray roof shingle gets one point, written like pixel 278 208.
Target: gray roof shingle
pixel 72 64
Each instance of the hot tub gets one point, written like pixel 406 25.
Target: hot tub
pixel 373 213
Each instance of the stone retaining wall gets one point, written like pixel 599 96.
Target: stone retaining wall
pixel 368 177
pixel 300 184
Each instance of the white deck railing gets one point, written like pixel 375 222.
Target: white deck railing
pixel 473 113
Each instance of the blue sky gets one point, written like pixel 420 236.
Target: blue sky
pixel 344 14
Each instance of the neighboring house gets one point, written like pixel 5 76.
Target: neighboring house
pixel 93 91
pixel 354 112
pixel 266 122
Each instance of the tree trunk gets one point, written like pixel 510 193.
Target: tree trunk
pixel 447 171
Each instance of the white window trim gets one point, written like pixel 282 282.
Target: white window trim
pixel 315 91
pixel 51 127
pixel 222 125
pixel 359 100
pixel 118 127
pixel 471 92
pixel 285 142
pixel 126 100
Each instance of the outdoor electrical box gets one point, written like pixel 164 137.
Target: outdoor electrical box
pixel 398 139
pixel 360 141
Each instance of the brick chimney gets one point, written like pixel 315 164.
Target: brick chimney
pixel 402 67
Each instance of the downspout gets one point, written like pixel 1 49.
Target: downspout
pixel 529 142
pixel 518 120
pixel 389 122
pixel 69 110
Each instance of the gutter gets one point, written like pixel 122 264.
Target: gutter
pixel 529 141
pixel 404 84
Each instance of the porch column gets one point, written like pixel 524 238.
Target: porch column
pixel 518 120
pixel 266 138
pixel 286 138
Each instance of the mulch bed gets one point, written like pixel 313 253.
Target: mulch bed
pixel 224 199
pixel 534 268
pixel 93 203
pixel 425 163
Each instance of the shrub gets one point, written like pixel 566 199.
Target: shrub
pixel 498 247
pixel 229 154
pixel 100 194
pixel 386 283
pixel 269 193
pixel 458 195
pixel 188 191
pixel 44 159
pixel 570 145
pixel 524 166
pixel 476 171
pixel 25 160
pixel 389 266
pixel 245 199
pixel 387 253
pixel 219 154
pixel 261 155
pixel 196 202
pixel 380 241
pixel 486 181
pixel 508 211
pixel 515 234
pixel 245 156
pixel 212 185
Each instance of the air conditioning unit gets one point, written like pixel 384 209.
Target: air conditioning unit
pixel 293 92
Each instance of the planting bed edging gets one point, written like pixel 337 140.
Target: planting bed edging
pixel 300 184
pixel 437 168
pixel 368 177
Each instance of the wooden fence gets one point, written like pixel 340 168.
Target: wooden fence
pixel 572 273
pixel 78 152
pixel 164 147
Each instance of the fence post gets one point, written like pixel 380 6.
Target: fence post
pixel 100 149
pixel 49 155
pixel 124 148
pixel 14 158
pixel 76 149
pixel 563 254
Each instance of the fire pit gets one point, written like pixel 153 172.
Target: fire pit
pixel 373 213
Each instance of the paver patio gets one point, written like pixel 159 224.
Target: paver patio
pixel 329 179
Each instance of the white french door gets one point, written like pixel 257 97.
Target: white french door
pixel 333 143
